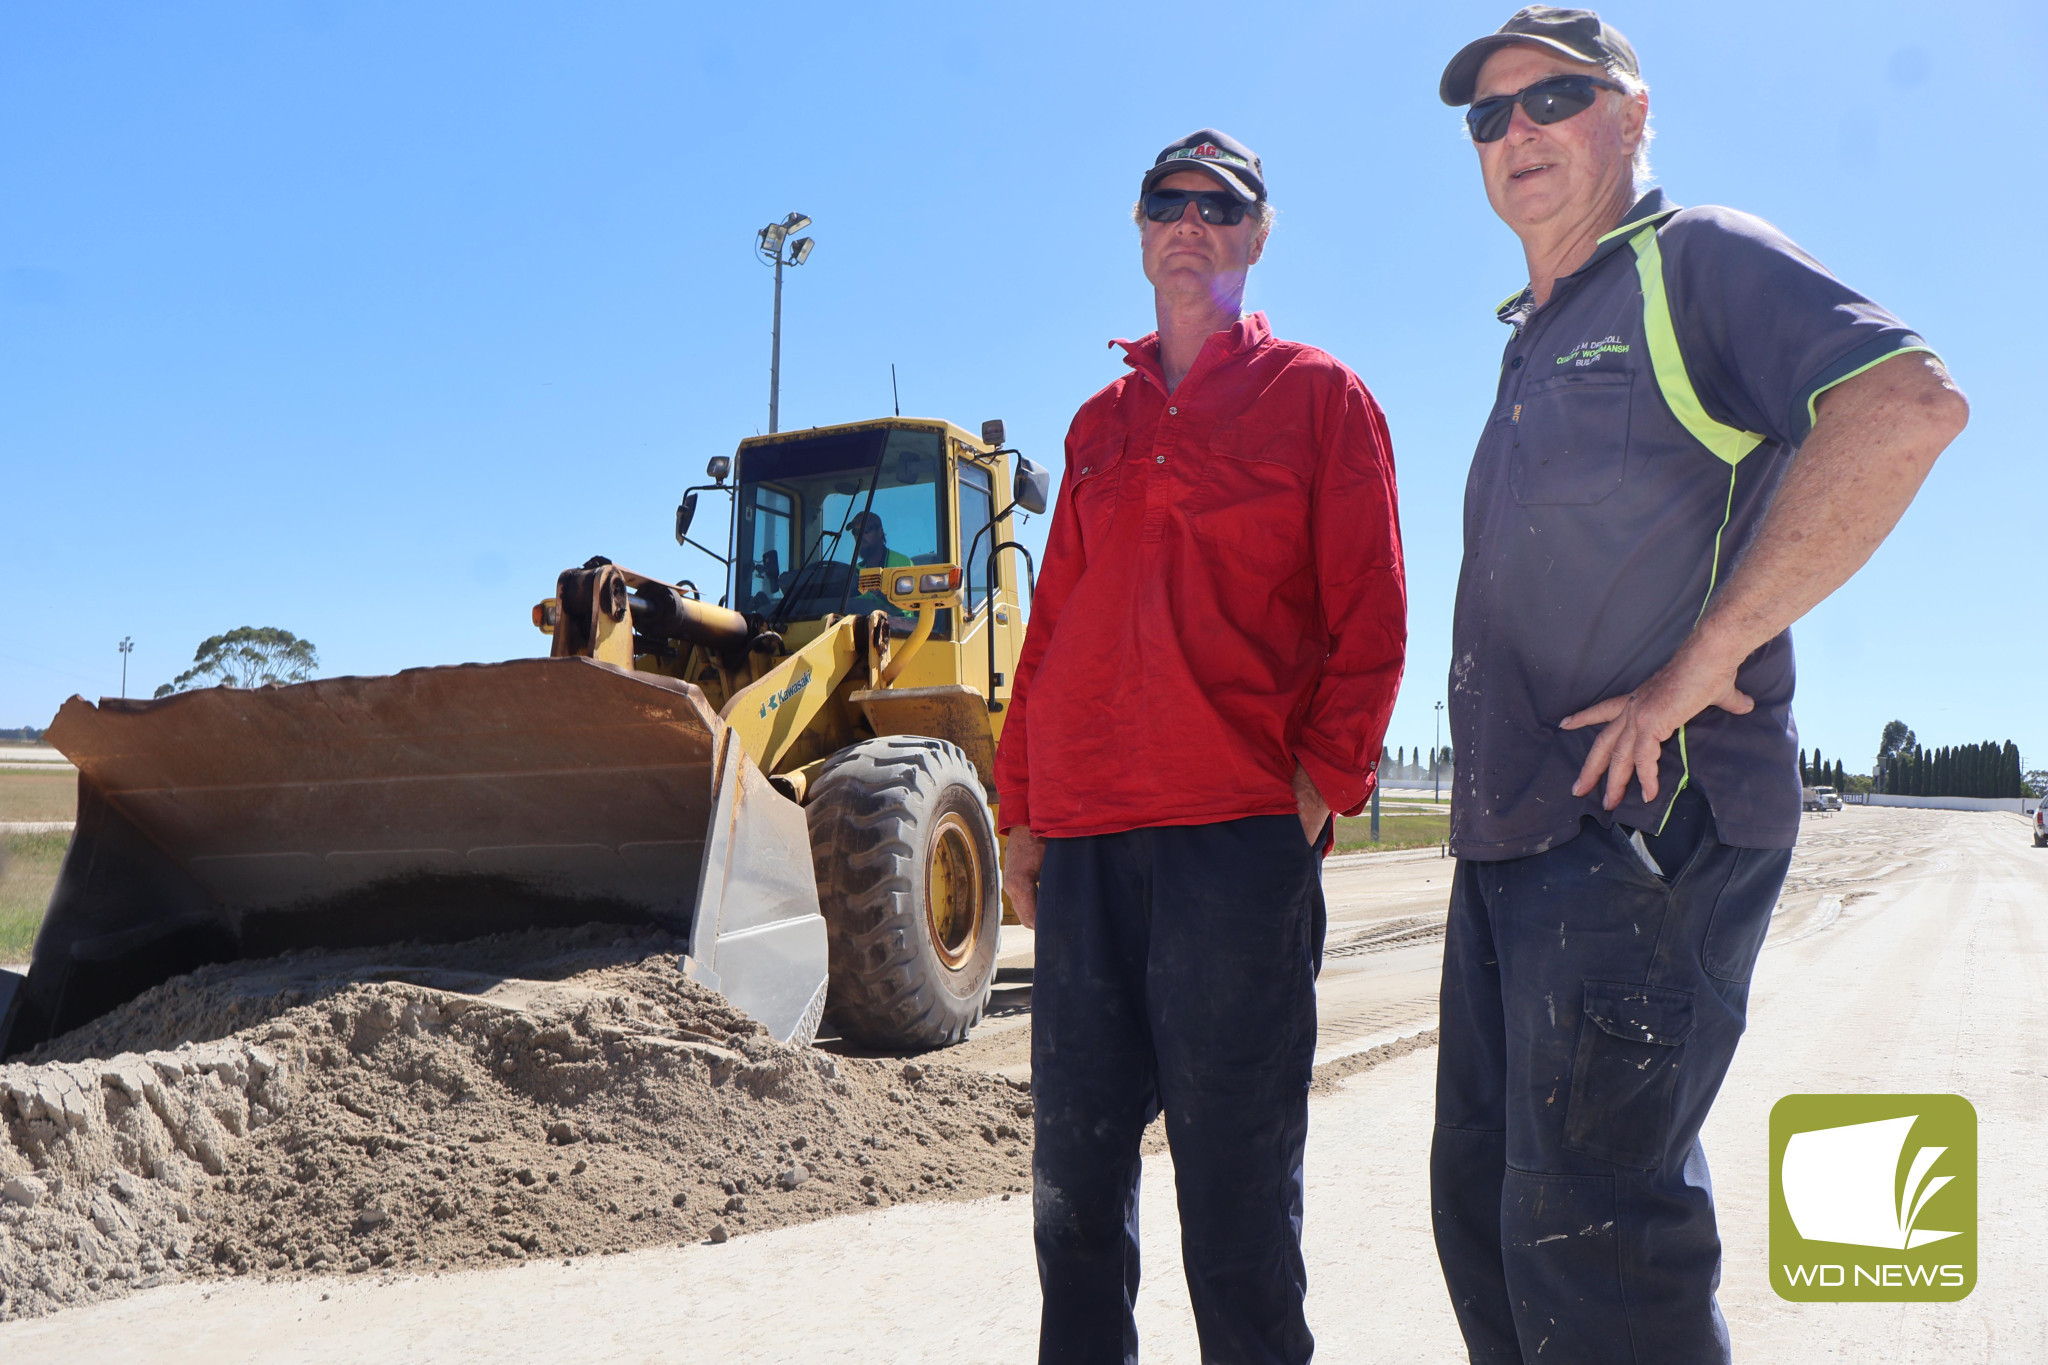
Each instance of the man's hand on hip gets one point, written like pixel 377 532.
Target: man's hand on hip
pixel 1877 436
pixel 1638 724
pixel 1023 857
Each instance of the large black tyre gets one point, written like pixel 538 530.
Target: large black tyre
pixel 905 852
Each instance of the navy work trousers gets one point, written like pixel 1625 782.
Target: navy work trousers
pixel 1591 1007
pixel 1175 970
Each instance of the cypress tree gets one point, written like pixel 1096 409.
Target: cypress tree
pixel 1841 782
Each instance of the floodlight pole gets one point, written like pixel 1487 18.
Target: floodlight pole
pixel 775 355
pixel 773 245
pixel 126 647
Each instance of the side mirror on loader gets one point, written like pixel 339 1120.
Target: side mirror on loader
pixel 685 514
pixel 1031 486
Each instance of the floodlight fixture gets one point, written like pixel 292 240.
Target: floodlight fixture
pixel 800 250
pixel 796 222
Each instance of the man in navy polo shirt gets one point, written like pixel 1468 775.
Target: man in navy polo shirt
pixel 1699 435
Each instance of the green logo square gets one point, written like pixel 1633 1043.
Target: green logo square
pixel 1873 1198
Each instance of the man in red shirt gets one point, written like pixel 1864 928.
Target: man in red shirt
pixel 1215 645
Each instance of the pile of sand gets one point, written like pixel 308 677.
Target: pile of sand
pixel 541 1094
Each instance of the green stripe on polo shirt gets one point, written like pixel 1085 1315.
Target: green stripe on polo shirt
pixel 1727 443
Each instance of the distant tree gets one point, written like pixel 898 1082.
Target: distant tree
pixel 248 656
pixel 1894 755
pixel 2035 781
pixel 1841 782
pixel 1897 738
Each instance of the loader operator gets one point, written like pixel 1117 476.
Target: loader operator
pixel 1214 648
pixel 1699 434
pixel 871 551
pixel 871 543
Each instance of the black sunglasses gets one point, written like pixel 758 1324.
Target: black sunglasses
pixel 1216 206
pixel 1550 100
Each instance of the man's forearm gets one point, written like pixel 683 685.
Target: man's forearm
pixel 1877 436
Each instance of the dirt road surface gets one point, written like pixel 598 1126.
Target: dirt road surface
pixel 1910 954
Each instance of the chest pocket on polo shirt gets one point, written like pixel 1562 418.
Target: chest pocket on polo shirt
pixel 1571 438
pixel 1252 501
pixel 1093 490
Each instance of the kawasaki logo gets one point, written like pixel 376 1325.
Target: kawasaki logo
pixel 1853 1202
pixel 774 703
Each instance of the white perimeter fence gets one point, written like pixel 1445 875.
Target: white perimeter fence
pixel 2023 805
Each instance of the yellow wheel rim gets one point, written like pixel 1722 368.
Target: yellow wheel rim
pixel 953 891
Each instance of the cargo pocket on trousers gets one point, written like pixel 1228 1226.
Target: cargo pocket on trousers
pixel 1630 1043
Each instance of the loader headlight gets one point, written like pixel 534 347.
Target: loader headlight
pixel 906 584
pixel 939 582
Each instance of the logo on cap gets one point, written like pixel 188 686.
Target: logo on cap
pixel 1208 151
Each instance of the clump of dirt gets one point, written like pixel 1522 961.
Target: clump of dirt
pixel 542 1094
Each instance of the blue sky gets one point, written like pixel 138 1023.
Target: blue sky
pixel 364 320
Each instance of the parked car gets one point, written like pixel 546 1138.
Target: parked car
pixel 2041 824
pixel 1822 799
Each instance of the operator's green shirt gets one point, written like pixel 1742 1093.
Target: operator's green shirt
pixel 875 601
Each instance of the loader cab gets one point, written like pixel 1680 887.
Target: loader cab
pixel 812 509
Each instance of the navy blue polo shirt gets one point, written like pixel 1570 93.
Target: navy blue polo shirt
pixel 1644 418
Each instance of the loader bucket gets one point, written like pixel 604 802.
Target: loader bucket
pixel 436 804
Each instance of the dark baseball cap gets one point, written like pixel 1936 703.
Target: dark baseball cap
pixel 1220 154
pixel 1576 33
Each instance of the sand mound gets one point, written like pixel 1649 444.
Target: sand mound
pixel 543 1094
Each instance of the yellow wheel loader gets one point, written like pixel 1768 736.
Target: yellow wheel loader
pixel 795 781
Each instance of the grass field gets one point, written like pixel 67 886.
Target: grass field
pixel 1398 829
pixel 29 862
pixel 29 795
pixel 28 869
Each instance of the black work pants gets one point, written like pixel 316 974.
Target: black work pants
pixel 1590 1010
pixel 1175 970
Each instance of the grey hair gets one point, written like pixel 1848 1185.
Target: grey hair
pixel 1260 212
pixel 1631 87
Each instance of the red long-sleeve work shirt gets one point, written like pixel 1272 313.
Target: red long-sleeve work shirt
pixel 1222 596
